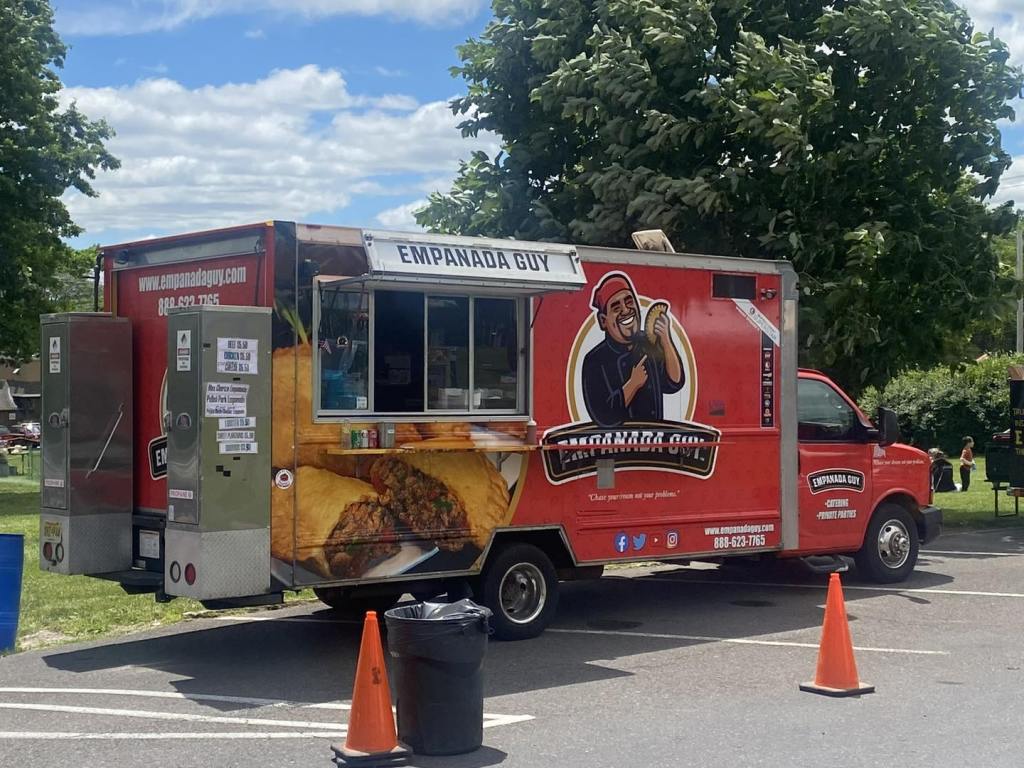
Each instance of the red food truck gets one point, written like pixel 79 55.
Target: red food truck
pixel 280 406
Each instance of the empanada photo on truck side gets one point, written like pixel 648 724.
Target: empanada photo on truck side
pixel 342 527
pixel 444 497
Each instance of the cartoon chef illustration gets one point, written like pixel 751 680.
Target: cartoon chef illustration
pixel 626 376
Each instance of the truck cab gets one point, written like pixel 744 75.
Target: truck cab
pixel 860 491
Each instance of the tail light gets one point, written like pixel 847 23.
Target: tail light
pixel 190 574
pixel 48 551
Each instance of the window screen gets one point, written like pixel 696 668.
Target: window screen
pixel 343 351
pixel 448 353
pixel 424 353
pixel 398 352
pixel 495 354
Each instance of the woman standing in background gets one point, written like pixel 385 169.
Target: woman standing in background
pixel 966 463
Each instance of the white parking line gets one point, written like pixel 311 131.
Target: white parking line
pixel 248 735
pixel 322 729
pixel 846 587
pixel 183 716
pixel 258 702
pixel 736 640
pixel 969 552
pixel 490 721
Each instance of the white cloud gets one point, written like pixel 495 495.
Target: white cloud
pixel 87 17
pixel 1011 186
pixel 293 144
pixel 255 34
pixel 385 72
pixel 401 217
pixel 1006 17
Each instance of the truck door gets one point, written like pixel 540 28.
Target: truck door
pixel 835 469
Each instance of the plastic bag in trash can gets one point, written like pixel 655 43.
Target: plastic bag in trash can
pixel 429 630
pixel 462 609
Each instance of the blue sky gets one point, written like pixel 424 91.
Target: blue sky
pixel 327 111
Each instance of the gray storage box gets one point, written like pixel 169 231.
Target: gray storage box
pixel 86 488
pixel 218 452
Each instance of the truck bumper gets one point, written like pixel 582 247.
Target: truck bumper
pixel 931 524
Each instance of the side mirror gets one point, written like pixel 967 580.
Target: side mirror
pixel 888 426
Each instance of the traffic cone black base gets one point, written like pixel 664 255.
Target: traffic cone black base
pixel 837 692
pixel 343 756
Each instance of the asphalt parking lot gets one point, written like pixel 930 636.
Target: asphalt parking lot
pixel 648 667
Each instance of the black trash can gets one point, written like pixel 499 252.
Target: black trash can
pixel 439 687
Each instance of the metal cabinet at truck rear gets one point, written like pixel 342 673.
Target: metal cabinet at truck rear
pixel 85 520
pixel 217 541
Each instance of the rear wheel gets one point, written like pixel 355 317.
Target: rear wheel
pixel 351 604
pixel 889 552
pixel 520 587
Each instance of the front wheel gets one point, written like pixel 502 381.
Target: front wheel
pixel 889 552
pixel 520 587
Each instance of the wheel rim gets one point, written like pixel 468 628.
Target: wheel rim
pixel 523 593
pixel 893 544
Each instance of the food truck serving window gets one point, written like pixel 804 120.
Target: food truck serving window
pixel 384 351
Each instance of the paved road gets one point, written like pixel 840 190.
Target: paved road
pixel 651 667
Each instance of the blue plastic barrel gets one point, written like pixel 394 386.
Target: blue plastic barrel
pixel 12 559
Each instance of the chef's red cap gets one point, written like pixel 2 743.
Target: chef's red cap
pixel 607 288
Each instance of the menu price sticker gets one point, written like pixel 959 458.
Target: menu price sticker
pixel 235 435
pixel 238 356
pixel 243 422
pixel 245 447
pixel 226 399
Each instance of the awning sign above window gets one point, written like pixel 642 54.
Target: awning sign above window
pixel 511 264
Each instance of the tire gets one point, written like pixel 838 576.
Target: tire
pixel 891 544
pixel 351 604
pixel 520 586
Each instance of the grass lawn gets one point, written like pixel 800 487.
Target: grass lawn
pixel 976 508
pixel 57 608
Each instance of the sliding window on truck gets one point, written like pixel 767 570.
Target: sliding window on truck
pixel 407 352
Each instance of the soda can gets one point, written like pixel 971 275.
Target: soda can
pixel 373 438
pixel 354 437
pixel 364 438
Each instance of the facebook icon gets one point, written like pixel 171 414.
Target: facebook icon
pixel 621 542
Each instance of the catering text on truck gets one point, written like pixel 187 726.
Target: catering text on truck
pixel 280 406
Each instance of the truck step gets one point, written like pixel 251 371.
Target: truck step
pixel 827 563
pixel 135 581
pixel 274 598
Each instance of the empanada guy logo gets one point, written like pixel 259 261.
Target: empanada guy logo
pixel 631 387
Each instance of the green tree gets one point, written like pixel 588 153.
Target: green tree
pixel 937 407
pixel 44 151
pixel 856 139
pixel 994 327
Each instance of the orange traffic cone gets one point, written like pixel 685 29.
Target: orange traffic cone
pixel 371 739
pixel 837 669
